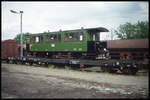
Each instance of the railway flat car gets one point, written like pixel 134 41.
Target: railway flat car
pixel 81 46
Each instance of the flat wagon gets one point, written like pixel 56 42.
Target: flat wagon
pixel 77 48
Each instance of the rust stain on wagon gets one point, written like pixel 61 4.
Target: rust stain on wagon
pixel 132 43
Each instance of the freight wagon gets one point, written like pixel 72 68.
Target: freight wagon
pixel 10 48
pixel 132 49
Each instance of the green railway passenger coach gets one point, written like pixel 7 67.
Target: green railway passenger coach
pixel 71 43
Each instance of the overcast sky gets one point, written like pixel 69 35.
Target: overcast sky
pixel 43 16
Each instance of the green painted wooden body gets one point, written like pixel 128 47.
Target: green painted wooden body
pixel 62 46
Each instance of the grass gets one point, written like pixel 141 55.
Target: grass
pixel 92 69
pixel 50 66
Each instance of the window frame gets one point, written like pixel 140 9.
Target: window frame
pixel 56 39
pixel 75 37
pixel 33 39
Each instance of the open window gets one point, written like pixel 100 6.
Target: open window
pixel 96 31
pixel 53 38
pixel 36 39
pixel 94 36
pixel 74 36
pixel 81 37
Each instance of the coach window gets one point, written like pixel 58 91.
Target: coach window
pixel 38 39
pixel 81 36
pixel 94 37
pixel 68 37
pixel 71 37
pixel 53 38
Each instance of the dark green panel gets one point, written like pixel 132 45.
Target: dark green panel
pixel 75 46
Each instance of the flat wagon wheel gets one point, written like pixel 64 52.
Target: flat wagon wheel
pixel 18 62
pixel 8 61
pixel 30 63
pixel 129 71
pixel 134 71
pixel 22 62
pixel 111 70
pixel 104 69
pixel 46 64
pixel 15 62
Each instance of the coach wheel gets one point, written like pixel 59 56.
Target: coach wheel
pixel 46 64
pixel 39 63
pixel 8 61
pixel 12 62
pixel 18 62
pixel 129 71
pixel 15 62
pixel 22 63
pixel 103 69
pixel 134 71
pixel 111 70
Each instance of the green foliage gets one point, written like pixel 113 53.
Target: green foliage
pixel 25 38
pixel 133 31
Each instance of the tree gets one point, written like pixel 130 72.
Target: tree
pixel 25 38
pixel 133 31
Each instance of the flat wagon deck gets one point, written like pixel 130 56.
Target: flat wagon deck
pixel 125 66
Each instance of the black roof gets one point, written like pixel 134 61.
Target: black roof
pixel 98 29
